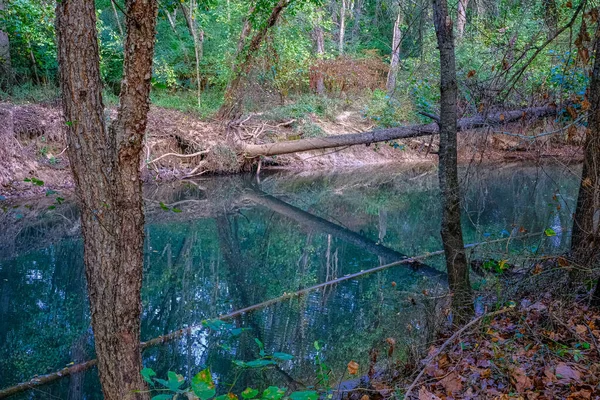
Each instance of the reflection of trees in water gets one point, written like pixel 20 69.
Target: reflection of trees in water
pixel 197 261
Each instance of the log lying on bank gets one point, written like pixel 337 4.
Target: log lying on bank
pixel 402 132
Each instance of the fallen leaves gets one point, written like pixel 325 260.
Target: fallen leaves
pixel 353 368
pixel 539 350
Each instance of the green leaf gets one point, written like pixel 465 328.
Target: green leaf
pixel 227 396
pixel 50 192
pixel 550 232
pixel 26 180
pixel 283 356
pixel 163 397
pixel 239 363
pixel 260 363
pixel 147 374
pixel 176 210
pixel 213 324
pixel 249 393
pixel 306 395
pixel 317 347
pixel 261 346
pixel 175 380
pixel 273 393
pixel 203 385
pixel 163 206
pixel 51 207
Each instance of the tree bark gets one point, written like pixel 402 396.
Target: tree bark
pixel 342 32
pixel 395 59
pixel 382 135
pixel 585 239
pixel 452 238
pixel 105 162
pixel 234 94
pixel 6 72
pixel 461 17
pixel 320 49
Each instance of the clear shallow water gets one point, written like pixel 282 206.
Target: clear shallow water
pixel 238 242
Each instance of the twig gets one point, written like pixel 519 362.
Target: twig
pixel 432 116
pixel 446 343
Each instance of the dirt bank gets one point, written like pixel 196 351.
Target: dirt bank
pixel 179 145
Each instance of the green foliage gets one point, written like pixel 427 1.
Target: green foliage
pixel 386 111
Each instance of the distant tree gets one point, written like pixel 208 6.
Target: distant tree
pixel 461 17
pixel 395 58
pixel 585 239
pixel 6 72
pixel 452 237
pixel 105 162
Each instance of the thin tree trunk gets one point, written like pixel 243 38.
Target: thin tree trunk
pixel 395 60
pixel 320 49
pixel 106 167
pixel 190 19
pixel 456 260
pixel 342 28
pixel 234 94
pixel 357 17
pixel 461 17
pixel 550 17
pixel 585 239
pixel 172 19
pixel 6 72
pixel 116 14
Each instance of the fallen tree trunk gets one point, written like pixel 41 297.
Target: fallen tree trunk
pixel 383 135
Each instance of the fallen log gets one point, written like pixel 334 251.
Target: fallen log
pixel 402 132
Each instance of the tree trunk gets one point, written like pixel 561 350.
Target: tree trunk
pixel 342 28
pixel 234 94
pixel 395 60
pixel 357 17
pixel 550 17
pixel 585 239
pixel 383 135
pixel 6 72
pixel 461 17
pixel 106 167
pixel 320 49
pixel 190 19
pixel 117 19
pixel 454 249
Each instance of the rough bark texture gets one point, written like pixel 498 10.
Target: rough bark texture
pixel 234 94
pixel 6 72
pixel 454 249
pixel 461 17
pixel 395 59
pixel 105 164
pixel 382 135
pixel 585 240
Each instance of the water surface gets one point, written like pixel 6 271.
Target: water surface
pixel 238 241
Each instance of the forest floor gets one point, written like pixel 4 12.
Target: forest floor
pixel 541 344
pixel 34 145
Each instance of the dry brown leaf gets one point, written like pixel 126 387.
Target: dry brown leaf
pixel 567 374
pixel 425 394
pixel 443 361
pixel 365 397
pixel 353 368
pixel 521 381
pixel 580 329
pixel 582 394
pixel 452 383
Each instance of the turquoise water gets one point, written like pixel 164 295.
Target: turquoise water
pixel 239 241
